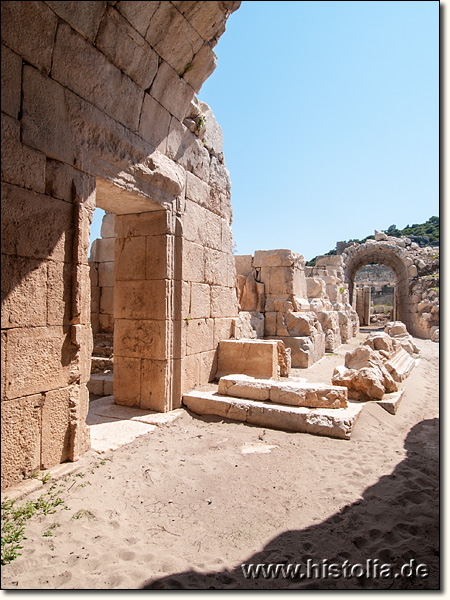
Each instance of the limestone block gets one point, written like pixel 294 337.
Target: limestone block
pixel 126 383
pixel 11 74
pixel 172 92
pixel 193 267
pixel 223 330
pixel 154 123
pixel 284 359
pixel 38 359
pixel 331 260
pixel 85 19
pixel 199 336
pixel 251 293
pixel 201 301
pixel 400 365
pixel 197 190
pixel 21 210
pixel 55 427
pixel 300 324
pixel 206 18
pixel 316 287
pixel 249 325
pixel 59 293
pixel 66 183
pixel 106 323
pixel 320 421
pixel 139 299
pixel 106 274
pixel 129 256
pixel 270 324
pixel 201 67
pixel 3 365
pixel 102 250
pixel 363 384
pixel 24 292
pixel 21 438
pixel 208 366
pixel 277 258
pixel 107 300
pixel 305 351
pixel 244 386
pixel 395 328
pixel 154 385
pixel 382 341
pixel 329 321
pixel 21 165
pixel 185 148
pixel 140 339
pixel 223 301
pixel 202 226
pixel 29 30
pixel 219 177
pixel 173 38
pixel 107 228
pixel 216 267
pixel 243 264
pixel 95 79
pixel 127 49
pixel 190 374
pixel 249 357
pixel 434 334
pixel 213 135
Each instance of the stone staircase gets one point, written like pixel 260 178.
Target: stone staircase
pixel 294 409
pixel 101 382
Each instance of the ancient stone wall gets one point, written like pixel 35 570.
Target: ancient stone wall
pixel 417 274
pixel 94 101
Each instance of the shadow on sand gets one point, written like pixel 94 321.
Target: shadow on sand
pixel 396 522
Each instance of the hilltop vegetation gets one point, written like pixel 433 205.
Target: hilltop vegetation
pixel 424 234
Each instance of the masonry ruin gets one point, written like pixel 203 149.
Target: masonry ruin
pixel 99 108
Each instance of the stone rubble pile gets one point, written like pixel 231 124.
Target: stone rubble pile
pixel 377 366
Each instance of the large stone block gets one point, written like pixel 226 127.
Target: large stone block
pixel 200 301
pixel 59 293
pixel 55 427
pixel 208 366
pixel 127 49
pixel 155 379
pixel 21 165
pixel 106 274
pixel 127 381
pixel 140 339
pixel 217 267
pixel 199 336
pixel 107 228
pixel 277 258
pixel 29 30
pixel 243 264
pixel 193 267
pixel 66 183
pixel 141 299
pixel 39 359
pixel 21 438
pixel 208 18
pixel 95 79
pixel 200 68
pixel 171 91
pixel 185 148
pixel 223 330
pixel 159 257
pixel 24 292
pixel 129 258
pixel 107 296
pixel 154 123
pixel 84 18
pixel 21 211
pixel 139 14
pixel 173 38
pixel 198 191
pixel 305 351
pixel 102 250
pixel 248 357
pixel 223 302
pixel 11 74
pixel 156 222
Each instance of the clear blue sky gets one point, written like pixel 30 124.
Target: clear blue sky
pixel 330 118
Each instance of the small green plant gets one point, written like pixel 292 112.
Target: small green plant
pixel 83 513
pixel 46 478
pixel 49 532
pixel 14 518
pixel 342 290
pixel 187 319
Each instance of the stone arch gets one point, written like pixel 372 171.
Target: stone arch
pixel 392 256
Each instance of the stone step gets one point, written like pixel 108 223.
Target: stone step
pixel 103 351
pixel 400 365
pixel 291 392
pixel 330 422
pixel 100 363
pixel 101 384
pixel 104 338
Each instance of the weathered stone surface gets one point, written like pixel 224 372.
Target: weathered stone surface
pixel 55 427
pixel 284 359
pixel 201 301
pixel 171 91
pixel 400 365
pixel 337 423
pixel 364 374
pixel 251 295
pixel 305 351
pixel 249 357
pixel 154 123
pixel 127 49
pixel 29 30
pixel 200 67
pixel 84 18
pixel 223 301
pixel 199 335
pixel 11 74
pixel 316 287
pixel 398 331
pixel 128 254
pixel 21 438
pixel 243 264
pixel 293 393
pixel 140 339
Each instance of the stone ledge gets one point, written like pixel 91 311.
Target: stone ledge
pixel 336 423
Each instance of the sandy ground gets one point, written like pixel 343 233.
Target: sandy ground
pixel 187 504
